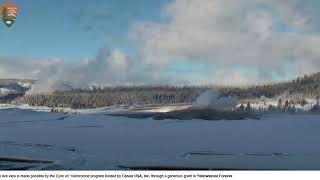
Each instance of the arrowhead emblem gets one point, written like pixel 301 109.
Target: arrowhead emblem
pixel 9 13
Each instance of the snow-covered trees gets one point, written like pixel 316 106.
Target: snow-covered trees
pixel 99 97
pixel 292 93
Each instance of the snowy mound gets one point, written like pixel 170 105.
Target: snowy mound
pixel 6 91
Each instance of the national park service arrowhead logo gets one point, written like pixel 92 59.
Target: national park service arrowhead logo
pixel 9 12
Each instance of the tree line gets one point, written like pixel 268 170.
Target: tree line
pixel 295 91
pixel 99 97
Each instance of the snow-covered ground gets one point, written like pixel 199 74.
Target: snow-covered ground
pixel 25 84
pixel 101 110
pixel 25 107
pixel 99 141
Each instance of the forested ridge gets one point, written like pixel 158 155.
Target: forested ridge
pixel 306 86
pixel 98 97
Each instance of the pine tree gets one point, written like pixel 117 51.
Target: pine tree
pixel 279 107
pixel 242 107
pixel 248 108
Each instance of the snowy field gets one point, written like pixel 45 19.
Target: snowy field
pixel 97 141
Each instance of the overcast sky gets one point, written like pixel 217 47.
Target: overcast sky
pixel 118 42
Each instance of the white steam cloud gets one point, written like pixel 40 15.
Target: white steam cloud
pixel 211 99
pixel 108 68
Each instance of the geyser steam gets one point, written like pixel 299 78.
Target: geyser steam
pixel 211 99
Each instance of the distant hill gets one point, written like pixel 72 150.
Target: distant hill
pixel 15 81
pixel 11 89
